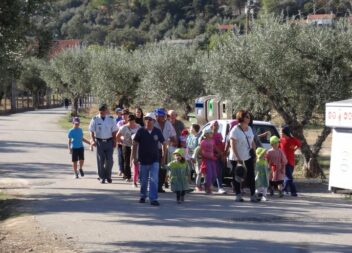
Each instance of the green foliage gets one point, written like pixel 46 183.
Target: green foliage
pixel 113 74
pixel 17 30
pixel 291 7
pixel 296 69
pixel 170 75
pixel 138 21
pixel 30 79
pixel 68 73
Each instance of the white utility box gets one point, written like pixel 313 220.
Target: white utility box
pixel 338 116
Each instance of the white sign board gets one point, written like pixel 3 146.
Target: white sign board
pixel 341 159
pixel 339 114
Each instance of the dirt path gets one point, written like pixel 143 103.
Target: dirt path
pixel 82 215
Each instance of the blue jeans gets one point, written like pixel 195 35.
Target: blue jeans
pixel 150 172
pixel 120 158
pixel 288 183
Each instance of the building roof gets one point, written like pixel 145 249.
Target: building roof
pixel 60 45
pixel 321 16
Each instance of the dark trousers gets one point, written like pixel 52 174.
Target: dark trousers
pixel 104 158
pixel 120 157
pixel 219 172
pixel 288 182
pixel 180 194
pixel 250 177
pixel 126 151
pixel 162 174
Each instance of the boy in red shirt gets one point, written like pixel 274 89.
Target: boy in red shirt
pixel 289 144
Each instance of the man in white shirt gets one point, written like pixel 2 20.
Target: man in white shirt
pixel 103 130
pixel 169 134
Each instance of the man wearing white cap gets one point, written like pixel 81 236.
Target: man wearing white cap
pixel 146 141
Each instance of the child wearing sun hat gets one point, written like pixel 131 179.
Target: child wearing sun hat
pixel 261 173
pixel 277 162
pixel 178 171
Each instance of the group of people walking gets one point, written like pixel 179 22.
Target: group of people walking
pixel 159 151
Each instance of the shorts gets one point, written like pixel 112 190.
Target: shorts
pixel 77 154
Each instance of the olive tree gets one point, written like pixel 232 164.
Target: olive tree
pixel 297 69
pixel 68 73
pixel 31 79
pixel 114 75
pixel 170 75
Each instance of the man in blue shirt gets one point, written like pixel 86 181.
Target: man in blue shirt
pixel 146 141
pixel 75 146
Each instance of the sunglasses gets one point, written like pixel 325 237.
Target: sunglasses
pixel 148 119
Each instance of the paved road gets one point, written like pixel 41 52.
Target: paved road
pixel 108 218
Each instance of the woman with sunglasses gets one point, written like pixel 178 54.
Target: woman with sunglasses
pixel 242 152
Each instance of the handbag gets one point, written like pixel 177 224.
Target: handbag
pixel 240 173
pixel 251 150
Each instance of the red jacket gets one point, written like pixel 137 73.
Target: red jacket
pixel 288 145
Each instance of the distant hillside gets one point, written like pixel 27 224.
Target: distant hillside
pixel 133 22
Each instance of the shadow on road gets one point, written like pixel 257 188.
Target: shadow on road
pixel 35 170
pixel 23 146
pixel 199 211
pixel 223 244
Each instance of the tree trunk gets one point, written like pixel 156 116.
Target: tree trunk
pixel 1 97
pixel 74 106
pixel 311 166
pixel 123 102
pixel 48 97
pixel 35 99
pixel 186 110
pixel 13 95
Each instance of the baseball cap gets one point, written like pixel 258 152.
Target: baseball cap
pixel 76 120
pixel 160 112
pixel 118 109
pixel 274 140
pixel 150 115
pixel 102 107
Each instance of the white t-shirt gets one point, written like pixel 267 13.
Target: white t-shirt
pixel 168 131
pixel 242 144
pixel 128 134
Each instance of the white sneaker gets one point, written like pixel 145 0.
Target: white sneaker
pixel 221 191
pixel 75 176
pixel 264 198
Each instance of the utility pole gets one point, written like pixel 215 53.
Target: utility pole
pixel 314 7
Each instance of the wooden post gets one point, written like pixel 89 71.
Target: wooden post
pixel 13 95
pixel 5 106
